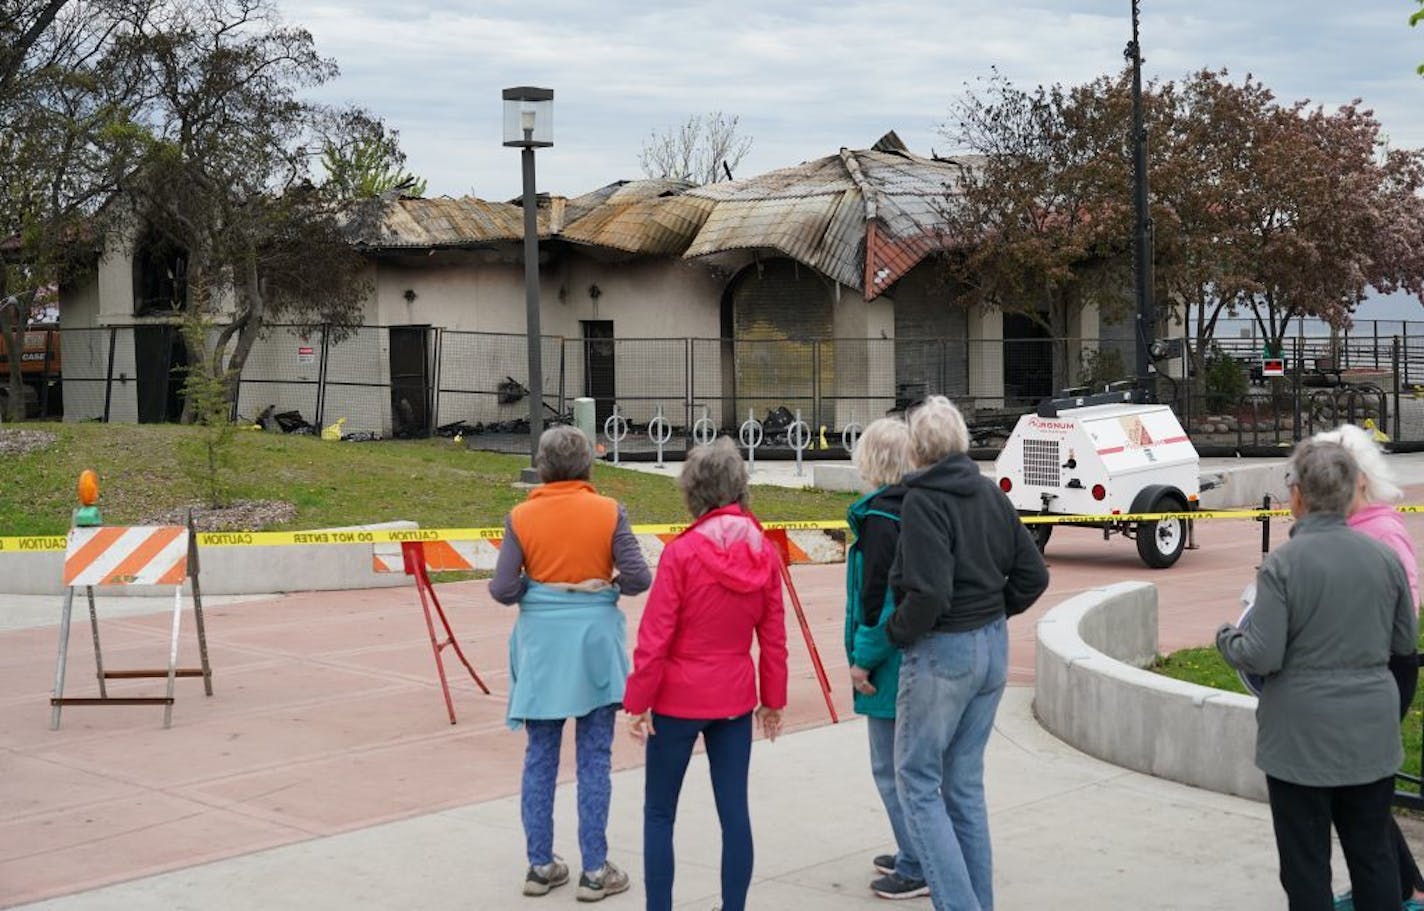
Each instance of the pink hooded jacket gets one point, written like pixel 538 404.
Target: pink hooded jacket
pixel 1381 522
pixel 717 583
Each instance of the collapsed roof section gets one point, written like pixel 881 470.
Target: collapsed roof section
pixel 862 218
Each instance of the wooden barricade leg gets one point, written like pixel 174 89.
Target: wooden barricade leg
pixel 98 653
pixel 173 655
pixel 198 607
pixel 57 702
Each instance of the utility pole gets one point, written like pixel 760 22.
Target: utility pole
pixel 1142 244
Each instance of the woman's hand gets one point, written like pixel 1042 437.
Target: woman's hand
pixel 640 727
pixel 770 721
pixel 860 680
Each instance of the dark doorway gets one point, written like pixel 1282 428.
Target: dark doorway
pixel 410 381
pixel 1028 360
pixel 600 374
pixel 160 364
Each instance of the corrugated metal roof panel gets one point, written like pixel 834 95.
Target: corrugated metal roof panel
pixel 447 222
pixel 650 226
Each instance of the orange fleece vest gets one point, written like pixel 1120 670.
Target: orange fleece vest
pixel 566 532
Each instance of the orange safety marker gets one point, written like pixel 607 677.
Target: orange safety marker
pixel 778 537
pixel 100 556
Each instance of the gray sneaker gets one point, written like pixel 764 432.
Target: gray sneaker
pixel 539 880
pixel 597 885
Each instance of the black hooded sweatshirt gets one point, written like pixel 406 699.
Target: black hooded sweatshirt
pixel 964 558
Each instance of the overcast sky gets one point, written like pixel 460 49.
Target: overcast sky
pixel 806 78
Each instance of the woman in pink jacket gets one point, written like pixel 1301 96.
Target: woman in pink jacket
pixel 717 583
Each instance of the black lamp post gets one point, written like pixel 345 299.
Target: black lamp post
pixel 1142 245
pixel 528 125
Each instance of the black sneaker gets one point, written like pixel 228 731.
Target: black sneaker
pixel 539 880
pixel 598 885
pixel 884 864
pixel 896 887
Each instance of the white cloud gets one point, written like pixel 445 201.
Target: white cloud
pixel 806 77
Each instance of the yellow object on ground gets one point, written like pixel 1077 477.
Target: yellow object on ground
pixel 333 432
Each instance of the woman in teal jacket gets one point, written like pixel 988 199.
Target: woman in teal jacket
pixel 883 457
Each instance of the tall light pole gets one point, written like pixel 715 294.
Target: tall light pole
pixel 1142 245
pixel 529 124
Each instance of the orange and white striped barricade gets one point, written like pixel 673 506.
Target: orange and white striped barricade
pixel 415 559
pixel 102 556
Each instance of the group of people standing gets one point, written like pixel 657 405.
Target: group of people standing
pixel 938 564
pixel 940 561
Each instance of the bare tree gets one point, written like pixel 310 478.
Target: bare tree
pixel 705 149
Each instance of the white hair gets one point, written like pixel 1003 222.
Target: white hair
pixel 937 430
pixel 1380 486
pixel 882 454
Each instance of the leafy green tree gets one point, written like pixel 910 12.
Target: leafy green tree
pixel 1039 219
pixel 66 78
pixel 368 163
pixel 220 170
pixel 207 458
pixel 1415 19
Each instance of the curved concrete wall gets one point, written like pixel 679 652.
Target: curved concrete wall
pixel 1093 693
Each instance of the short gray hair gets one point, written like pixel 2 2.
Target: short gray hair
pixel 1380 486
pixel 937 430
pixel 712 477
pixel 1325 474
pixel 564 455
pixel 882 455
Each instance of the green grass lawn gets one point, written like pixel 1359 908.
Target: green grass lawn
pixel 433 482
pixel 1205 666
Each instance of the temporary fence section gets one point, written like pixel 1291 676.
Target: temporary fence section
pixel 413 381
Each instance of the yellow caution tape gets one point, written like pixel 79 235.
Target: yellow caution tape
pixel 41 543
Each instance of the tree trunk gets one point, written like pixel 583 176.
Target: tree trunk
pixel 253 313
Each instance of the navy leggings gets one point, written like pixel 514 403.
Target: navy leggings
pixel 729 750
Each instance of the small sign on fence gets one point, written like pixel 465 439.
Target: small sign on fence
pixel 306 354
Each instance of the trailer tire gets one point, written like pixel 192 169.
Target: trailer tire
pixel 1160 544
pixel 1040 532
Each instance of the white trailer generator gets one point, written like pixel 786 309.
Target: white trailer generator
pixel 1104 455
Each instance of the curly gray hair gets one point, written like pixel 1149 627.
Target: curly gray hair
pixel 712 477
pixel 564 455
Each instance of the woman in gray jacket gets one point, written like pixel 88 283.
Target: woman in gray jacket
pixel 1331 607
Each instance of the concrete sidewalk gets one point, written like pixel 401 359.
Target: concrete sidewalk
pixel 1069 832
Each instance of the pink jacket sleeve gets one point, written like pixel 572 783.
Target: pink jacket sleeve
pixel 771 641
pixel 1396 538
pixel 655 634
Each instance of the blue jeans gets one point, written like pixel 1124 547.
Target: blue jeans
pixel 882 769
pixel 593 740
pixel 950 684
pixel 729 751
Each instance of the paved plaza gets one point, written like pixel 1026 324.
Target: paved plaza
pixel 323 773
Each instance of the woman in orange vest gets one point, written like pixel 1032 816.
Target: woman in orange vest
pixel 568 553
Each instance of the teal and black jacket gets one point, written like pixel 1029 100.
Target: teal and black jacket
pixel 875 523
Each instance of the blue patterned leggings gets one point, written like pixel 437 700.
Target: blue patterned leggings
pixel 593 740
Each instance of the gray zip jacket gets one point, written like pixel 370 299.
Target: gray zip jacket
pixel 1331 606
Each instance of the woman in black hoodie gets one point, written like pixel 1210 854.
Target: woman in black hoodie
pixel 964 564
